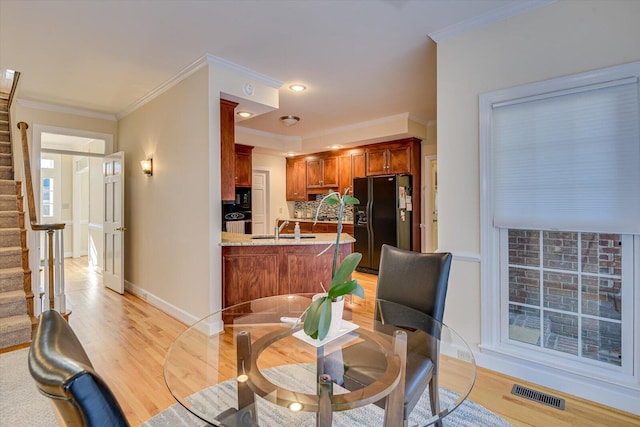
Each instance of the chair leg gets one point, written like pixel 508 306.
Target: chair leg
pixel 434 398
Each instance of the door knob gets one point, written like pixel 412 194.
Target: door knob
pixel 121 229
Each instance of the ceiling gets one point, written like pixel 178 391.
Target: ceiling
pixel 361 60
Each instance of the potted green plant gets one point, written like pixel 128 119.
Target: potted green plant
pixel 317 322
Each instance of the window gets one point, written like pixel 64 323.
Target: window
pixel 47 197
pixel 560 166
pixel 565 292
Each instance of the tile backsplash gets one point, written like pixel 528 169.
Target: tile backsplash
pixel 327 212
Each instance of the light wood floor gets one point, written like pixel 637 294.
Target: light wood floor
pixel 126 340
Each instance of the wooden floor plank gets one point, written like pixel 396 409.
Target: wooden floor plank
pixel 126 339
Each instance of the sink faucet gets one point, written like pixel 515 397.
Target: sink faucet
pixel 278 230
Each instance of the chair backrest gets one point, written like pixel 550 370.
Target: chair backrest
pixel 63 372
pixel 414 279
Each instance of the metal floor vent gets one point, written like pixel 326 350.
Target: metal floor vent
pixel 537 396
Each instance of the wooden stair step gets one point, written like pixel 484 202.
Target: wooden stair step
pixel 9 219
pixel 11 279
pixel 10 257
pixel 13 303
pixel 15 330
pixel 8 202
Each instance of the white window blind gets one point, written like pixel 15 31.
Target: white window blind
pixel 569 160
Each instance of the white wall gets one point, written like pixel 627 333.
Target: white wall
pixel 167 214
pixel 563 38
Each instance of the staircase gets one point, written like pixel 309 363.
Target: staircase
pixel 16 297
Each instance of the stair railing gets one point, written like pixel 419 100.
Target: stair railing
pixel 54 292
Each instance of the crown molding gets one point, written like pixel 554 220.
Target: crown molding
pixel 261 133
pixel 507 11
pixel 419 120
pixel 246 72
pixel 36 105
pixel 206 59
pixel 360 125
pixel 182 74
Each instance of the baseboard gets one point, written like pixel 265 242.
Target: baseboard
pixel 618 397
pixel 161 304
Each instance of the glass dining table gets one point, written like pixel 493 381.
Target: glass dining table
pixel 252 365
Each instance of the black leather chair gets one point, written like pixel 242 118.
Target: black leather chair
pixel 418 281
pixel 63 372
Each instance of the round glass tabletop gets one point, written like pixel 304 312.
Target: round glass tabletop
pixel 251 364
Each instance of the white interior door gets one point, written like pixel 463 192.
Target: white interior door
pixel 113 221
pixel 434 204
pixel 259 197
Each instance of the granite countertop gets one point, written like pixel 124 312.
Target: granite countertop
pixel 333 221
pixel 233 239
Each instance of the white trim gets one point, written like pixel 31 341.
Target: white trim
pixel 161 304
pixel 246 72
pixel 38 129
pixel 36 105
pixel 182 74
pixel 464 256
pixel 359 125
pixel 606 392
pixel 256 132
pixel 71 153
pixel 206 59
pixel 503 13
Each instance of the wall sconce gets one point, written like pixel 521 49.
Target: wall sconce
pixel 147 166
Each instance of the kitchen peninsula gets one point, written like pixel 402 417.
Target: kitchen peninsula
pixel 261 267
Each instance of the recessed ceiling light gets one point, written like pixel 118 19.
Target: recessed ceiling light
pixel 335 147
pixel 291 154
pixel 244 114
pixel 298 87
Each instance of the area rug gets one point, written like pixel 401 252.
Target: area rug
pixel 21 405
pixel 223 396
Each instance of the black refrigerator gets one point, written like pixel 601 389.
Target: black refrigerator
pixel 382 216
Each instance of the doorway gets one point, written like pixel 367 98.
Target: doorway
pixel 430 224
pixel 68 189
pixel 260 201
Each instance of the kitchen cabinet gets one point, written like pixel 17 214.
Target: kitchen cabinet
pixel 322 172
pixel 388 159
pixel 350 165
pixel 296 180
pixel 227 150
pixel 243 165
pixel 251 272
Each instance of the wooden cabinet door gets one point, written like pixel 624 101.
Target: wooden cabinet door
pixel 227 150
pixel 358 169
pixel 296 180
pixel 330 172
pixel 314 173
pixel 243 170
pixel 399 159
pixel 345 180
pixel 376 161
pixel 249 277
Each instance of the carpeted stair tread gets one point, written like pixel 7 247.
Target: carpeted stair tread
pixel 5 147
pixel 6 172
pixel 10 257
pixel 13 303
pixel 8 202
pixel 7 187
pixel 15 330
pixel 9 219
pixel 10 237
pixel 11 279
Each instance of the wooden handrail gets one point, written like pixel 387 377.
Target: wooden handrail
pixel 33 220
pixel 14 86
